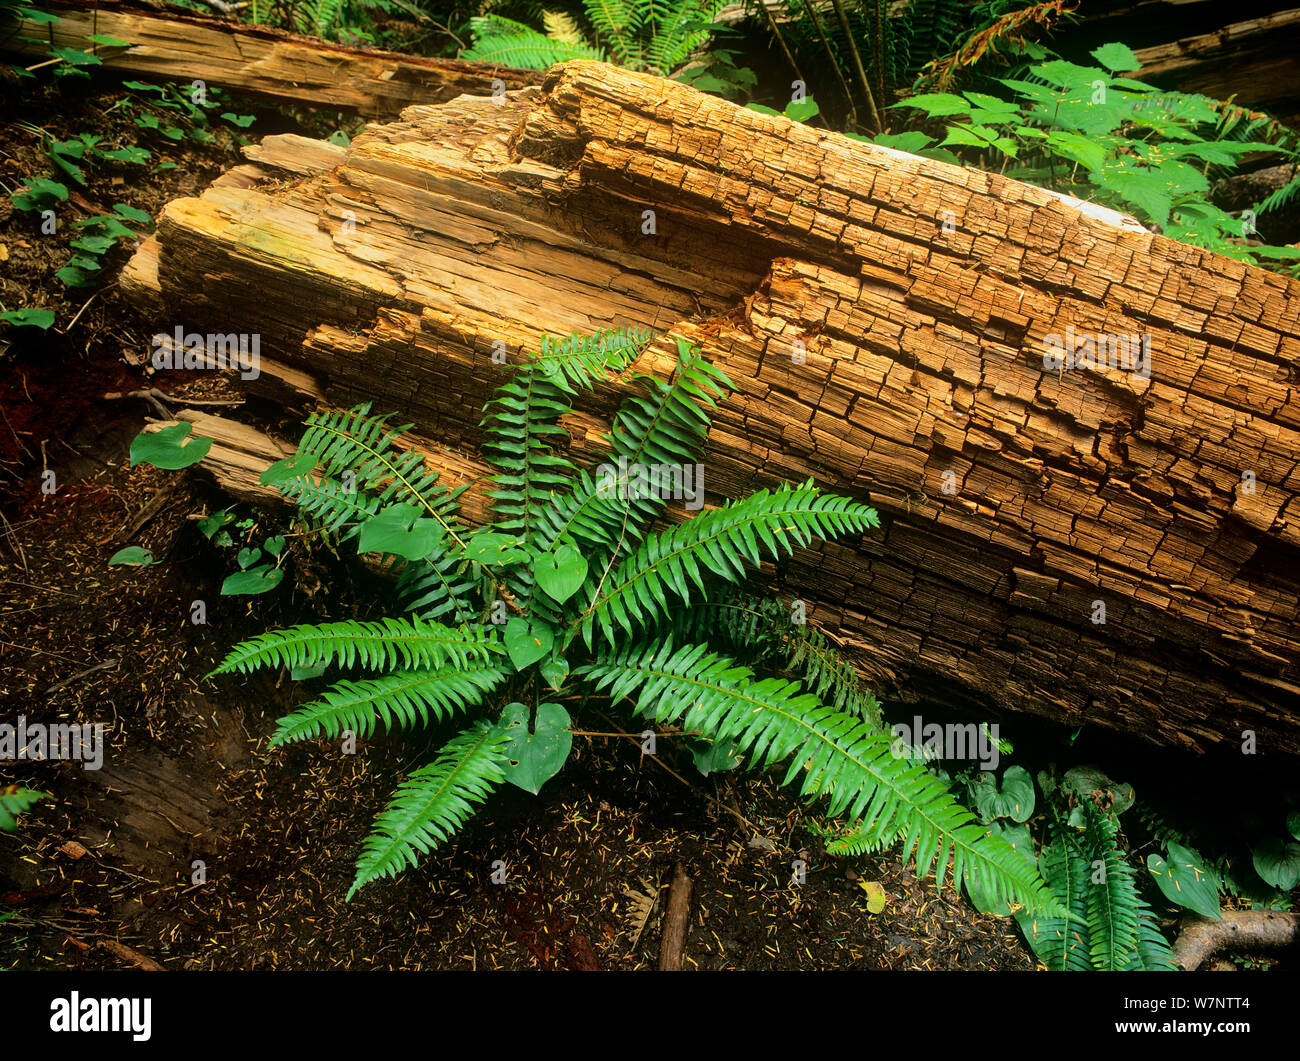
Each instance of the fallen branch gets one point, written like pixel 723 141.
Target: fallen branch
pixel 676 922
pixel 1201 938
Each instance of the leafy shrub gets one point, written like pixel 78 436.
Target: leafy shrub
pixel 1088 132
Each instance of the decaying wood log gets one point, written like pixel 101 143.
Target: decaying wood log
pixel 1243 930
pixel 886 320
pixel 257 60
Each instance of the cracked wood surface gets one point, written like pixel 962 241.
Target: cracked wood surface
pixel 186 46
pixel 917 296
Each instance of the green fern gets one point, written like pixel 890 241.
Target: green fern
pixel 572 553
pixel 654 35
pixel 433 802
pixel 388 643
pixel 831 753
pixel 15 800
pixel 1110 926
pixel 672 563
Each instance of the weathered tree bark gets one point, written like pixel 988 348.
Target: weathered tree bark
pixel 259 61
pixel 884 318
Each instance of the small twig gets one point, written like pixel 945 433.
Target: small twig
pixel 30 455
pixel 130 954
pixel 64 331
pixel 81 674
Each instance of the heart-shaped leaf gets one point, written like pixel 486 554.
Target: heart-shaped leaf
pixel 402 531
pixel 168 449
pixel 1014 801
pixel 274 546
pixel 246 558
pixel 714 756
pixel 289 468
pixel 1185 880
pixel 213 523
pixel 1278 863
pixel 134 555
pixel 535 757
pixel 561 573
pixel 490 548
pixel 249 583
pixel 987 900
pixel 876 896
pixel 527 641
pixel 554 669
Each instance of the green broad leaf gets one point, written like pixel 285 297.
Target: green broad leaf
pixel 39 193
pixel 492 549
pixel 937 104
pixel 146 121
pixel 173 132
pixel 168 449
pixel 535 758
pixel 985 899
pixel 1278 863
pixel 527 640
pixel 1068 75
pixel 212 524
pixel 561 573
pixel 73 276
pixel 761 109
pixel 94 244
pixel 802 110
pixel 554 669
pixel 400 530
pixel 135 155
pixel 209 525
pixel 274 546
pixel 107 41
pixel 243 121
pixel 289 468
pixel 141 86
pixel 299 674
pixel 164 165
pixel 28 317
pixel 1186 881
pixel 75 56
pixel 1088 782
pixel 1014 799
pixel 1293 823
pixel 246 558
pixel 41 18
pixel 131 213
pixel 108 225
pixel 134 555
pixel 992 103
pixel 712 757
pixel 911 141
pixel 1116 57
pixel 1078 148
pixel 252 582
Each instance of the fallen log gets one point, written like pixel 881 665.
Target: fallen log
pixel 1237 930
pixel 1112 544
pixel 256 60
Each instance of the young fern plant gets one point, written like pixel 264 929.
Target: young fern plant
pixel 571 592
